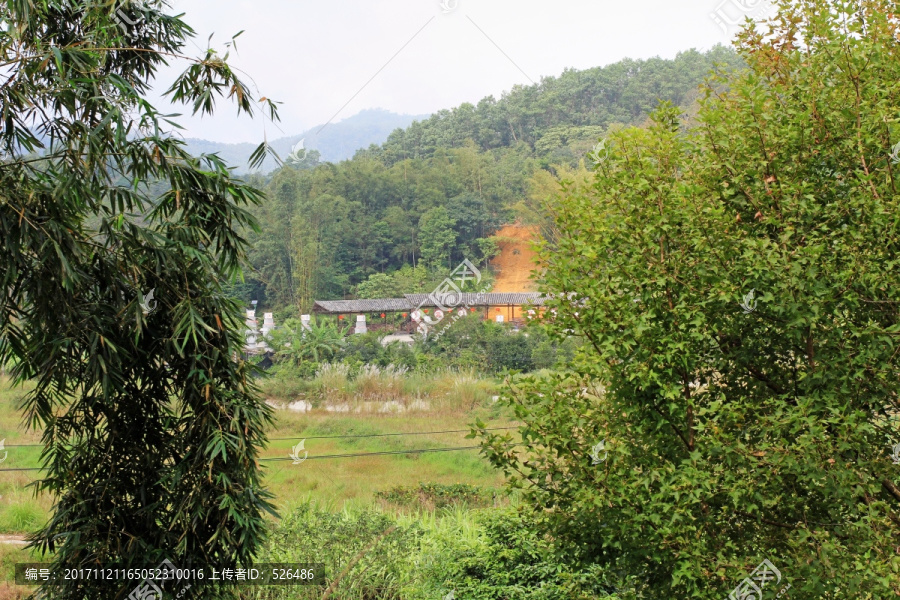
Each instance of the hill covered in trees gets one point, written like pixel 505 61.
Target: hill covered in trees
pixel 435 192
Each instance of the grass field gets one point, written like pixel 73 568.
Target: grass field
pixel 335 483
pixel 405 525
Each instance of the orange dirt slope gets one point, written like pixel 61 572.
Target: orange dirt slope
pixel 515 262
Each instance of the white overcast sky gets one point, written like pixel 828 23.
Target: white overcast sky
pixel 315 55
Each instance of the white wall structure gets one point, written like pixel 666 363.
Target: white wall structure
pixel 251 331
pixel 305 322
pixel 268 323
pixel 360 324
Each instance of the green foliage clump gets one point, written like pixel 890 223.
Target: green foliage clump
pixel 469 345
pixel 489 347
pixel 738 285
pixel 494 554
pixel 509 558
pixel 394 284
pixel 436 495
pixel 366 554
pixel 366 349
pixel 293 343
pixel 508 351
pixel 114 302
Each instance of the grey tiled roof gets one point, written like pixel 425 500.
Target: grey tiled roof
pixel 471 299
pixel 410 301
pixel 361 306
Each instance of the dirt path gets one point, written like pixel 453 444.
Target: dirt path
pixel 516 259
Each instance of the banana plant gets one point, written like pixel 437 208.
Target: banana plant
pixel 295 343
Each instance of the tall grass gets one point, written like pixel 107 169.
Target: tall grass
pixel 366 553
pixel 374 389
pixel 380 384
pixel 332 378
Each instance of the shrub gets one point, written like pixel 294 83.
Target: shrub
pixel 508 558
pixel 403 355
pixel 293 343
pixel 430 496
pixel 543 356
pixel 483 554
pixel 365 349
pixel 369 553
pixel 509 351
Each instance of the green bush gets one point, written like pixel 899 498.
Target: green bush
pixel 403 355
pixel 294 343
pixel 466 334
pixel 493 348
pixel 364 349
pixel 370 552
pixel 484 554
pixel 509 351
pixel 509 559
pixel 543 356
pixel 436 495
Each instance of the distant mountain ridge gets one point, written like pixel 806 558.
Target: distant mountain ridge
pixel 335 142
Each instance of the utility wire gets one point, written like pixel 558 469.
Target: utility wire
pixel 371 435
pixel 324 456
pixel 332 437
pixel 375 453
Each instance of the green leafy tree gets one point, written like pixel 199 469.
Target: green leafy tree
pixel 437 238
pixel 406 280
pixel 113 303
pixel 324 248
pixel 378 285
pixel 303 159
pixel 271 246
pixel 738 290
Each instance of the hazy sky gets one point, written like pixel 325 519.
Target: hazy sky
pixel 315 56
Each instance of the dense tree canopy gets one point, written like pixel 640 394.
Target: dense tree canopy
pixel 112 301
pixel 326 230
pixel 737 287
pixel 561 116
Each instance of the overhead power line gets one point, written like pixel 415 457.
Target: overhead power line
pixel 333 437
pixel 422 451
pixel 371 435
pixel 324 456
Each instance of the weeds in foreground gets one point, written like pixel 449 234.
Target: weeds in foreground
pixel 430 496
pixel 494 553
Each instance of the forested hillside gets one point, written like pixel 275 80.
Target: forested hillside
pixel 437 191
